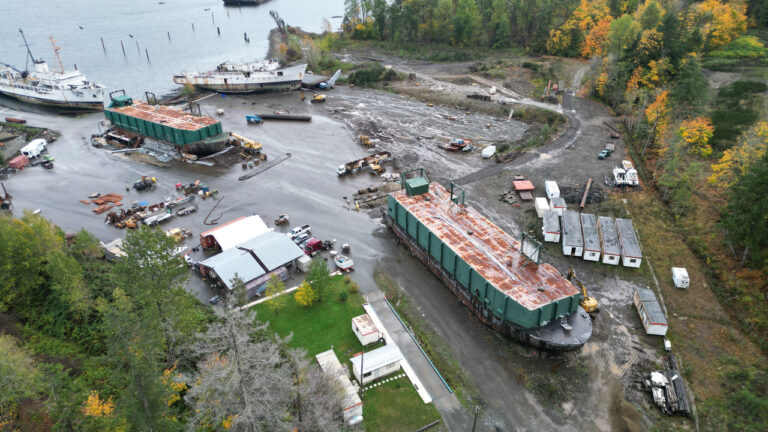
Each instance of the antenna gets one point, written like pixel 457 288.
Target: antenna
pixel 29 51
pixel 56 52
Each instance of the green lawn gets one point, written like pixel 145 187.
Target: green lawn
pixel 318 327
pixel 396 406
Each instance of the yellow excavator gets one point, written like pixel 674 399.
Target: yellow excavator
pixel 248 145
pixel 588 303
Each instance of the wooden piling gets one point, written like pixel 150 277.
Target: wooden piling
pixel 212 19
pixel 123 47
pixel 586 193
pixel 193 27
pixel 169 35
pixel 138 50
pixel 146 51
pixel 102 45
pixel 218 30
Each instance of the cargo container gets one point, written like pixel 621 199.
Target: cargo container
pixel 481 264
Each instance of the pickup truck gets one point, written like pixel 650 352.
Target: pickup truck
pixel 297 231
pixel 312 246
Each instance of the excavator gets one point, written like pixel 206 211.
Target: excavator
pixel 248 145
pixel 588 303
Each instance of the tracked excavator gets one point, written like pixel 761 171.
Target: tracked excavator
pixel 588 303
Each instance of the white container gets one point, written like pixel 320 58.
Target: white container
pixel 542 206
pixel 34 148
pixel 680 277
pixel 552 190
pixel 489 151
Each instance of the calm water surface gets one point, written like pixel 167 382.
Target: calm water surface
pixel 79 25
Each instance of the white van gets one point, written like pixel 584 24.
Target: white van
pixel 34 148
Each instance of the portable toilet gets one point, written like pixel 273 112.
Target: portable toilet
pixel 552 190
pixel 680 277
pixel 542 206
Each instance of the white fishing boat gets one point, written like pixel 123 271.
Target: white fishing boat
pixel 43 86
pixel 252 77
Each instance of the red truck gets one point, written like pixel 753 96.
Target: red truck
pixel 312 246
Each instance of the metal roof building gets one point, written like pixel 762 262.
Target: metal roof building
pixel 353 406
pixel 377 363
pixel 233 233
pixel 573 242
pixel 609 240
pixel 631 256
pixel 591 239
pixel 252 261
pixel 551 227
pixel 653 318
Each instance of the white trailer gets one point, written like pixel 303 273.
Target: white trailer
pixel 631 255
pixel 541 205
pixel 34 148
pixel 552 190
pixel 653 318
pixel 551 227
pixel 573 242
pixel 558 205
pixel 591 239
pixel 680 277
pixel 609 240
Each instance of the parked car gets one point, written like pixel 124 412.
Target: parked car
pixel 213 300
pixel 301 238
pixel 297 231
pixel 604 154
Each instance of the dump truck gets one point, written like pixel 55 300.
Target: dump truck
pixel 364 163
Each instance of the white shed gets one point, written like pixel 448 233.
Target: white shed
pixel 631 256
pixel 573 242
pixel 653 318
pixel 591 239
pixel 551 227
pixel 365 329
pixel 541 205
pixel 680 277
pixel 558 204
pixel 552 190
pixel 609 240
pixel 377 363
pixel 489 151
pixel 332 368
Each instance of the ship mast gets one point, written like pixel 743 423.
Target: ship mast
pixel 29 51
pixel 56 52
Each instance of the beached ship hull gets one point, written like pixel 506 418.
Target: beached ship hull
pixel 63 95
pixel 550 337
pixel 245 81
pixel 244 2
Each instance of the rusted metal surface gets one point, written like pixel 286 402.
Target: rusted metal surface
pixel 490 251
pixel 164 115
pixel 523 185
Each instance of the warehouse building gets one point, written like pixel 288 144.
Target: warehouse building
pixel 232 233
pixel 254 262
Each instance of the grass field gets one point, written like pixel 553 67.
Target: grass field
pixel 394 406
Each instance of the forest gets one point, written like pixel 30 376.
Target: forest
pixel 95 345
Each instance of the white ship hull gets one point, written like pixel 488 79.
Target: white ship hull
pixel 68 90
pixel 56 98
pixel 233 81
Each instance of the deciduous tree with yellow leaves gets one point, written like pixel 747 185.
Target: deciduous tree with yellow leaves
pixel 752 147
pixel 697 132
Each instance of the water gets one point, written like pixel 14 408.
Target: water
pixel 149 22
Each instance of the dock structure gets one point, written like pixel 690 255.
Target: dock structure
pixel 631 255
pixel 592 249
pixel 609 240
pixel 573 242
pixel 483 266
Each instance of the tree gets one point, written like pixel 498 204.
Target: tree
pixel 568 39
pixel 19 377
pixel 690 90
pixel 500 24
pixel 697 133
pixel 650 15
pixel 305 296
pixel 722 22
pixel 238 286
pixel 745 215
pixel 318 400
pixel 736 161
pixel 594 44
pixel 241 384
pixel 319 278
pixel 622 35
pixel 466 22
pixel 276 290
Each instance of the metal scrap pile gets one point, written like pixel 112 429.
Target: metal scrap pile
pixel 573 195
pixel 668 389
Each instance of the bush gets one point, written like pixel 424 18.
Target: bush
pixel 352 285
pixel 532 66
pixel 371 75
pixel 343 296
pixel 743 47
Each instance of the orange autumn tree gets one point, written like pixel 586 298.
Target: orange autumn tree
pixel 722 22
pixel 569 38
pixel 594 44
pixel 97 407
pixel 697 132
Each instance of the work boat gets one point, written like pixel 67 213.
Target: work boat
pixel 245 77
pixel 43 86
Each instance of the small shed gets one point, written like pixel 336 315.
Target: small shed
pixel 552 190
pixel 332 368
pixel 542 206
pixel 303 263
pixel 558 204
pixel 609 240
pixel 551 227
pixel 680 277
pixel 524 187
pixel 19 162
pixel 377 363
pixel 591 239
pixel 573 242
pixel 489 151
pixel 365 329
pixel 631 256
pixel 653 318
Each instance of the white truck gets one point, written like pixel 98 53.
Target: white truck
pixel 34 148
